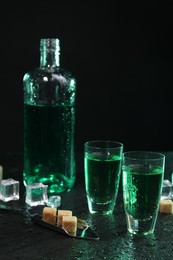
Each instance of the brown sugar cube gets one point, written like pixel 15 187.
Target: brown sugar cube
pixel 62 213
pixel 69 223
pixel 49 215
pixel 166 206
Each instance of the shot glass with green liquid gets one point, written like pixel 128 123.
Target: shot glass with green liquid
pixel 142 178
pixel 102 165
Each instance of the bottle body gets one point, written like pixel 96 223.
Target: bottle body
pixel 49 125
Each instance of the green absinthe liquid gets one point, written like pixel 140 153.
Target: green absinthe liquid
pixel 142 191
pixel 102 178
pixel 49 146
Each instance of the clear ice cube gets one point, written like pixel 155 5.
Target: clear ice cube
pixel 166 190
pixel 9 190
pixel 54 201
pixel 36 194
pixel 1 172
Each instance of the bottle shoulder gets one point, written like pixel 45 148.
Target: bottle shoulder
pixel 52 72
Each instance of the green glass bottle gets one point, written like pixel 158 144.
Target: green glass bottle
pixel 49 122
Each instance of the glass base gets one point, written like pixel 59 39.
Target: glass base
pixel 141 227
pixel 100 208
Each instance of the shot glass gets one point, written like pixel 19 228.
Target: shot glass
pixel 142 178
pixel 102 165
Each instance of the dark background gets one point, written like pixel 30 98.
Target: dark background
pixel 122 59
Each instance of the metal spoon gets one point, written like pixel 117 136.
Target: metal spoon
pixel 83 230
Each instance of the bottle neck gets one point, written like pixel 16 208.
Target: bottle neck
pixel 49 53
